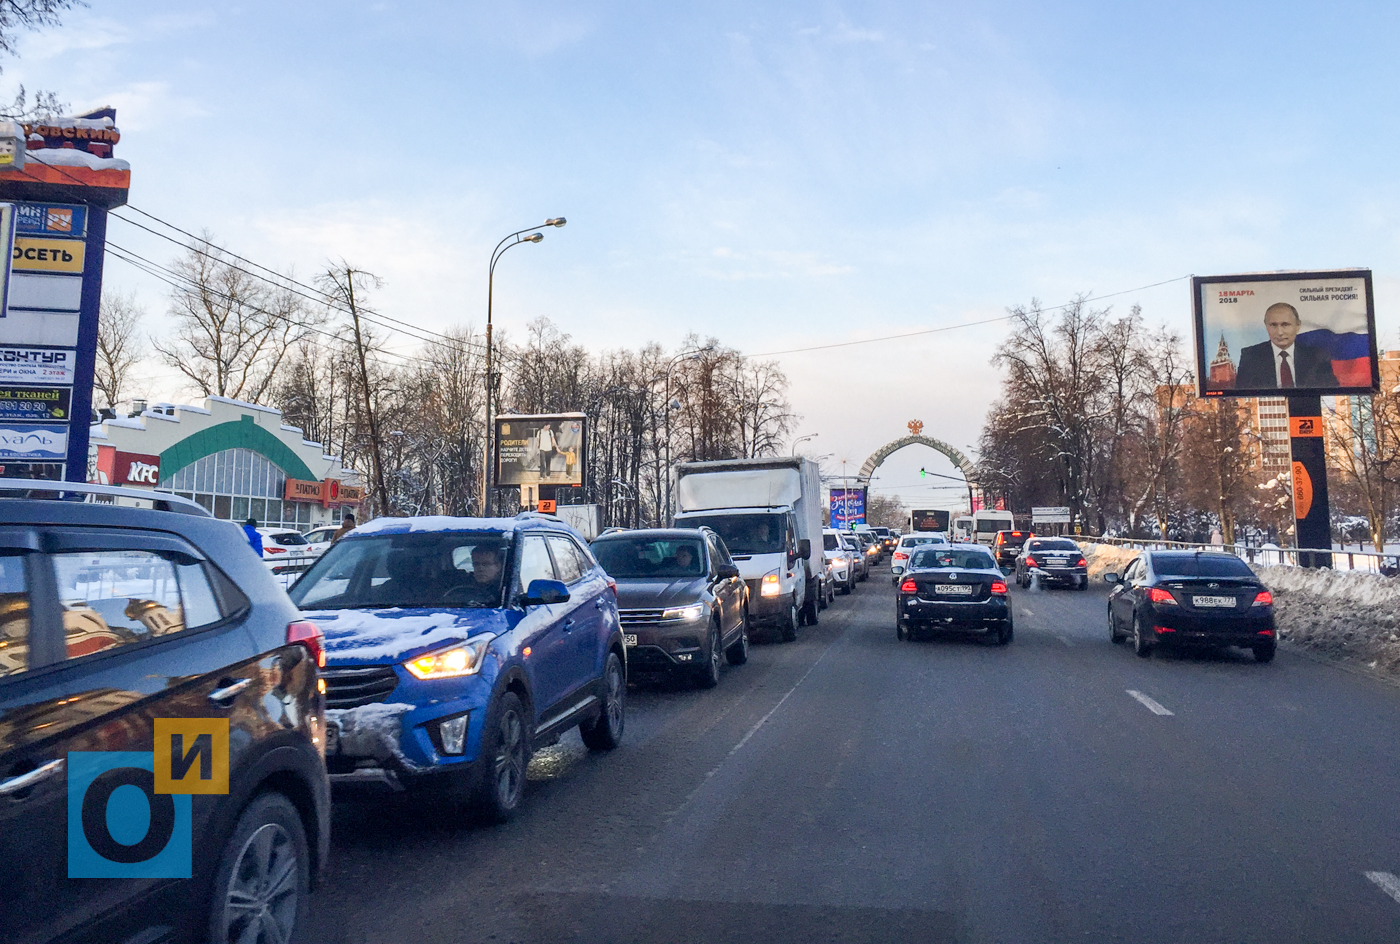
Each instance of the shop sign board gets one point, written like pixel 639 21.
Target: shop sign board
pixel 34 404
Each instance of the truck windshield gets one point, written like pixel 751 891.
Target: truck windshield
pixel 746 534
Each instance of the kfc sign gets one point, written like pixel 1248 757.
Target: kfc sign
pixel 133 468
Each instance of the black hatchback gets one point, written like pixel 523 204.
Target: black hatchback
pixel 1201 599
pixel 161 729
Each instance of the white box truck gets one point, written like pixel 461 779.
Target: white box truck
pixel 769 513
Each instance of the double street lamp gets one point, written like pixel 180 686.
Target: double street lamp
pixel 514 239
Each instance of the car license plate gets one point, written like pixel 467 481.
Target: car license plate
pixel 953 589
pixel 1213 601
pixel 332 738
pixel 629 638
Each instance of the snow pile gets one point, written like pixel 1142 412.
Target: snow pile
pixel 72 157
pixel 1339 614
pixel 1105 558
pixel 372 730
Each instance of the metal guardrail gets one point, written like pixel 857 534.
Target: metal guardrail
pixel 1386 564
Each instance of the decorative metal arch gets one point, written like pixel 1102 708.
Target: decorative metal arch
pixel 964 464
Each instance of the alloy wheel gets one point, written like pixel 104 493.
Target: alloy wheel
pixel 260 905
pixel 510 759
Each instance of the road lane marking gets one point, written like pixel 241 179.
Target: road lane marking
pixel 1148 703
pixel 1065 640
pixel 1388 883
pixel 1027 613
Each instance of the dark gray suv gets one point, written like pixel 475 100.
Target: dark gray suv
pixel 161 729
pixel 680 600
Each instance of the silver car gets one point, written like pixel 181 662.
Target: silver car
pixel 899 561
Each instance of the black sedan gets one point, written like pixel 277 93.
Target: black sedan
pixel 1054 561
pixel 681 603
pixel 953 587
pixel 1180 598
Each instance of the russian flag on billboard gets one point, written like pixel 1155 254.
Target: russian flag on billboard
pixel 1347 344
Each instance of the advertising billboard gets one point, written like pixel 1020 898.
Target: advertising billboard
pixel 930 520
pixel 1285 333
pixel 541 449
pixel 847 508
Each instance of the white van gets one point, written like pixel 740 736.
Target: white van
pixel 986 523
pixel 962 529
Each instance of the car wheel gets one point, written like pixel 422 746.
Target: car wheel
pixel 738 652
pixel 846 587
pixel 1082 583
pixel 505 753
pixel 605 732
pixel 1006 634
pixel 263 880
pixel 1114 635
pixel 811 607
pixel 1264 652
pixel 901 632
pixel 788 629
pixel 708 676
pixel 1140 644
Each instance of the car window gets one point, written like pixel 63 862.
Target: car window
pixel 566 563
pixel 534 561
pixel 417 569
pixel 113 598
pixel 1201 565
pixel 14 615
pixel 946 558
pixel 1052 544
pixel 289 539
pixel 831 542
pixel 643 556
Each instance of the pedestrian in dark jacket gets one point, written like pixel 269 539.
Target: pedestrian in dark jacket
pixel 347 524
pixel 250 528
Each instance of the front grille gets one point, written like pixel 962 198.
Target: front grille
pixel 353 687
pixel 635 615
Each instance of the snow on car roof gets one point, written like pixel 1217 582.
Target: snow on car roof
pixel 434 523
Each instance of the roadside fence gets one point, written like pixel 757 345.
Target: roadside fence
pixel 1386 564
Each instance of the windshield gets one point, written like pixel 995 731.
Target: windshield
pixel 641 557
pixel 457 569
pixel 288 538
pixel 991 525
pixel 951 559
pixel 1200 565
pixel 831 542
pixel 746 534
pixel 1061 544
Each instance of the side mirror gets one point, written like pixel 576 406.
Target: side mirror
pixel 804 548
pixel 1111 577
pixel 544 592
pixel 726 571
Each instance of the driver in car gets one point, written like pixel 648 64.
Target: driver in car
pixel 483 584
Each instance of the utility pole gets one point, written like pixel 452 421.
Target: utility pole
pixel 380 491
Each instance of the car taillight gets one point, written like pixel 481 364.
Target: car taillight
pixel 908 586
pixel 1266 632
pixel 1082 563
pixel 275 550
pixel 998 586
pixel 308 634
pixel 900 555
pixel 1158 595
pixel 1263 598
pixel 1030 562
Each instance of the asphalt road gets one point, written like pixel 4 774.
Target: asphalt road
pixel 850 787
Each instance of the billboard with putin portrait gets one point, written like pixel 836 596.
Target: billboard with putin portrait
pixel 1285 334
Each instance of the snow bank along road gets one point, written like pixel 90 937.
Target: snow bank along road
pixel 852 788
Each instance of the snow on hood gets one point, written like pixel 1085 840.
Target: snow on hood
pixel 396 634
pixel 645 593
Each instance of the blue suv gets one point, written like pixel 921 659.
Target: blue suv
pixel 455 646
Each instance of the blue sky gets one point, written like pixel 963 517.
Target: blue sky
pixel 778 175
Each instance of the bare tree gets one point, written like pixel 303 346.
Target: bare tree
pixel 233 328
pixel 1366 449
pixel 119 346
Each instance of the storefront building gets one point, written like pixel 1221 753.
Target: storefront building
pixel 238 460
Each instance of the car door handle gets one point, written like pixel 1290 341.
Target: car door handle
pixel 226 692
pixel 24 781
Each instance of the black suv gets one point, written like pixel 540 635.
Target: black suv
pixel 161 728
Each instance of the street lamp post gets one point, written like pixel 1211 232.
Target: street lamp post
pixel 802 439
pixel 496 254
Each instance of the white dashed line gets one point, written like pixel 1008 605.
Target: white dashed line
pixel 1027 613
pixel 1148 703
pixel 1388 883
pixel 1065 640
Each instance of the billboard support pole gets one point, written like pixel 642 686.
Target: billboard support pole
pixel 1312 513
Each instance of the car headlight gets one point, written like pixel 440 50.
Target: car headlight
pixel 692 612
pixel 771 586
pixel 452 662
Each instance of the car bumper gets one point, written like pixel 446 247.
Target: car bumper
pixel 1071 575
pixel 1189 629
pixel 980 613
pixel 651 647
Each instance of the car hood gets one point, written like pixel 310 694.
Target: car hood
pixel 659 592
pixel 395 634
